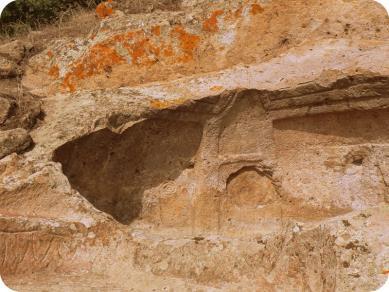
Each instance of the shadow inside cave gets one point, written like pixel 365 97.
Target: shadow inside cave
pixel 112 171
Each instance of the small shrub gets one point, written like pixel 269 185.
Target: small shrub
pixel 32 13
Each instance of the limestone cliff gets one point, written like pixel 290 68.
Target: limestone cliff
pixel 226 145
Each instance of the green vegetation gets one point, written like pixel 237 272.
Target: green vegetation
pixel 27 14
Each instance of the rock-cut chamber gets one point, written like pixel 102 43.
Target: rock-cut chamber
pixel 112 171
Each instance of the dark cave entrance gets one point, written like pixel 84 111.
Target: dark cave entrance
pixel 112 171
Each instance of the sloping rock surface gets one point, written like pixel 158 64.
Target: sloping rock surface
pixel 202 145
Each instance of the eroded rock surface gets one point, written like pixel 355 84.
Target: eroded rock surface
pixel 16 140
pixel 232 145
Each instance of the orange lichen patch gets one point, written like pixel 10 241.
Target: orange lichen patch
pixel 54 71
pixel 168 51
pixel 256 8
pixel 123 37
pixel 50 54
pixel 189 42
pixel 100 56
pixel 137 50
pixel 210 24
pixel 69 83
pixel 103 10
pixel 156 30
pixel 142 48
pixel 217 88
pixel 142 51
pixel 385 272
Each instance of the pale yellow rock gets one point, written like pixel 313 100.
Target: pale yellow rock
pixel 222 146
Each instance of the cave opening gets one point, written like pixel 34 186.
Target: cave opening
pixel 112 171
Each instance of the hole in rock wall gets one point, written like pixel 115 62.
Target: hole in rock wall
pixel 113 170
pixel 249 188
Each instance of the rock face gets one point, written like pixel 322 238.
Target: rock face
pixel 16 140
pixel 229 145
pixel 202 37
